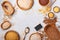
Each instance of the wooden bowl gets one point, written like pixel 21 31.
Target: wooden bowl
pixel 35 36
pixel 12 35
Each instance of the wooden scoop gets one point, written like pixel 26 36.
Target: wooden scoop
pixel 52 32
pixel 8 8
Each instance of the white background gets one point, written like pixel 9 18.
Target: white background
pixel 22 19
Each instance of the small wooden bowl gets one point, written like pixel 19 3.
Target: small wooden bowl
pixel 51 15
pixel 6 25
pixel 56 9
pixel 44 2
